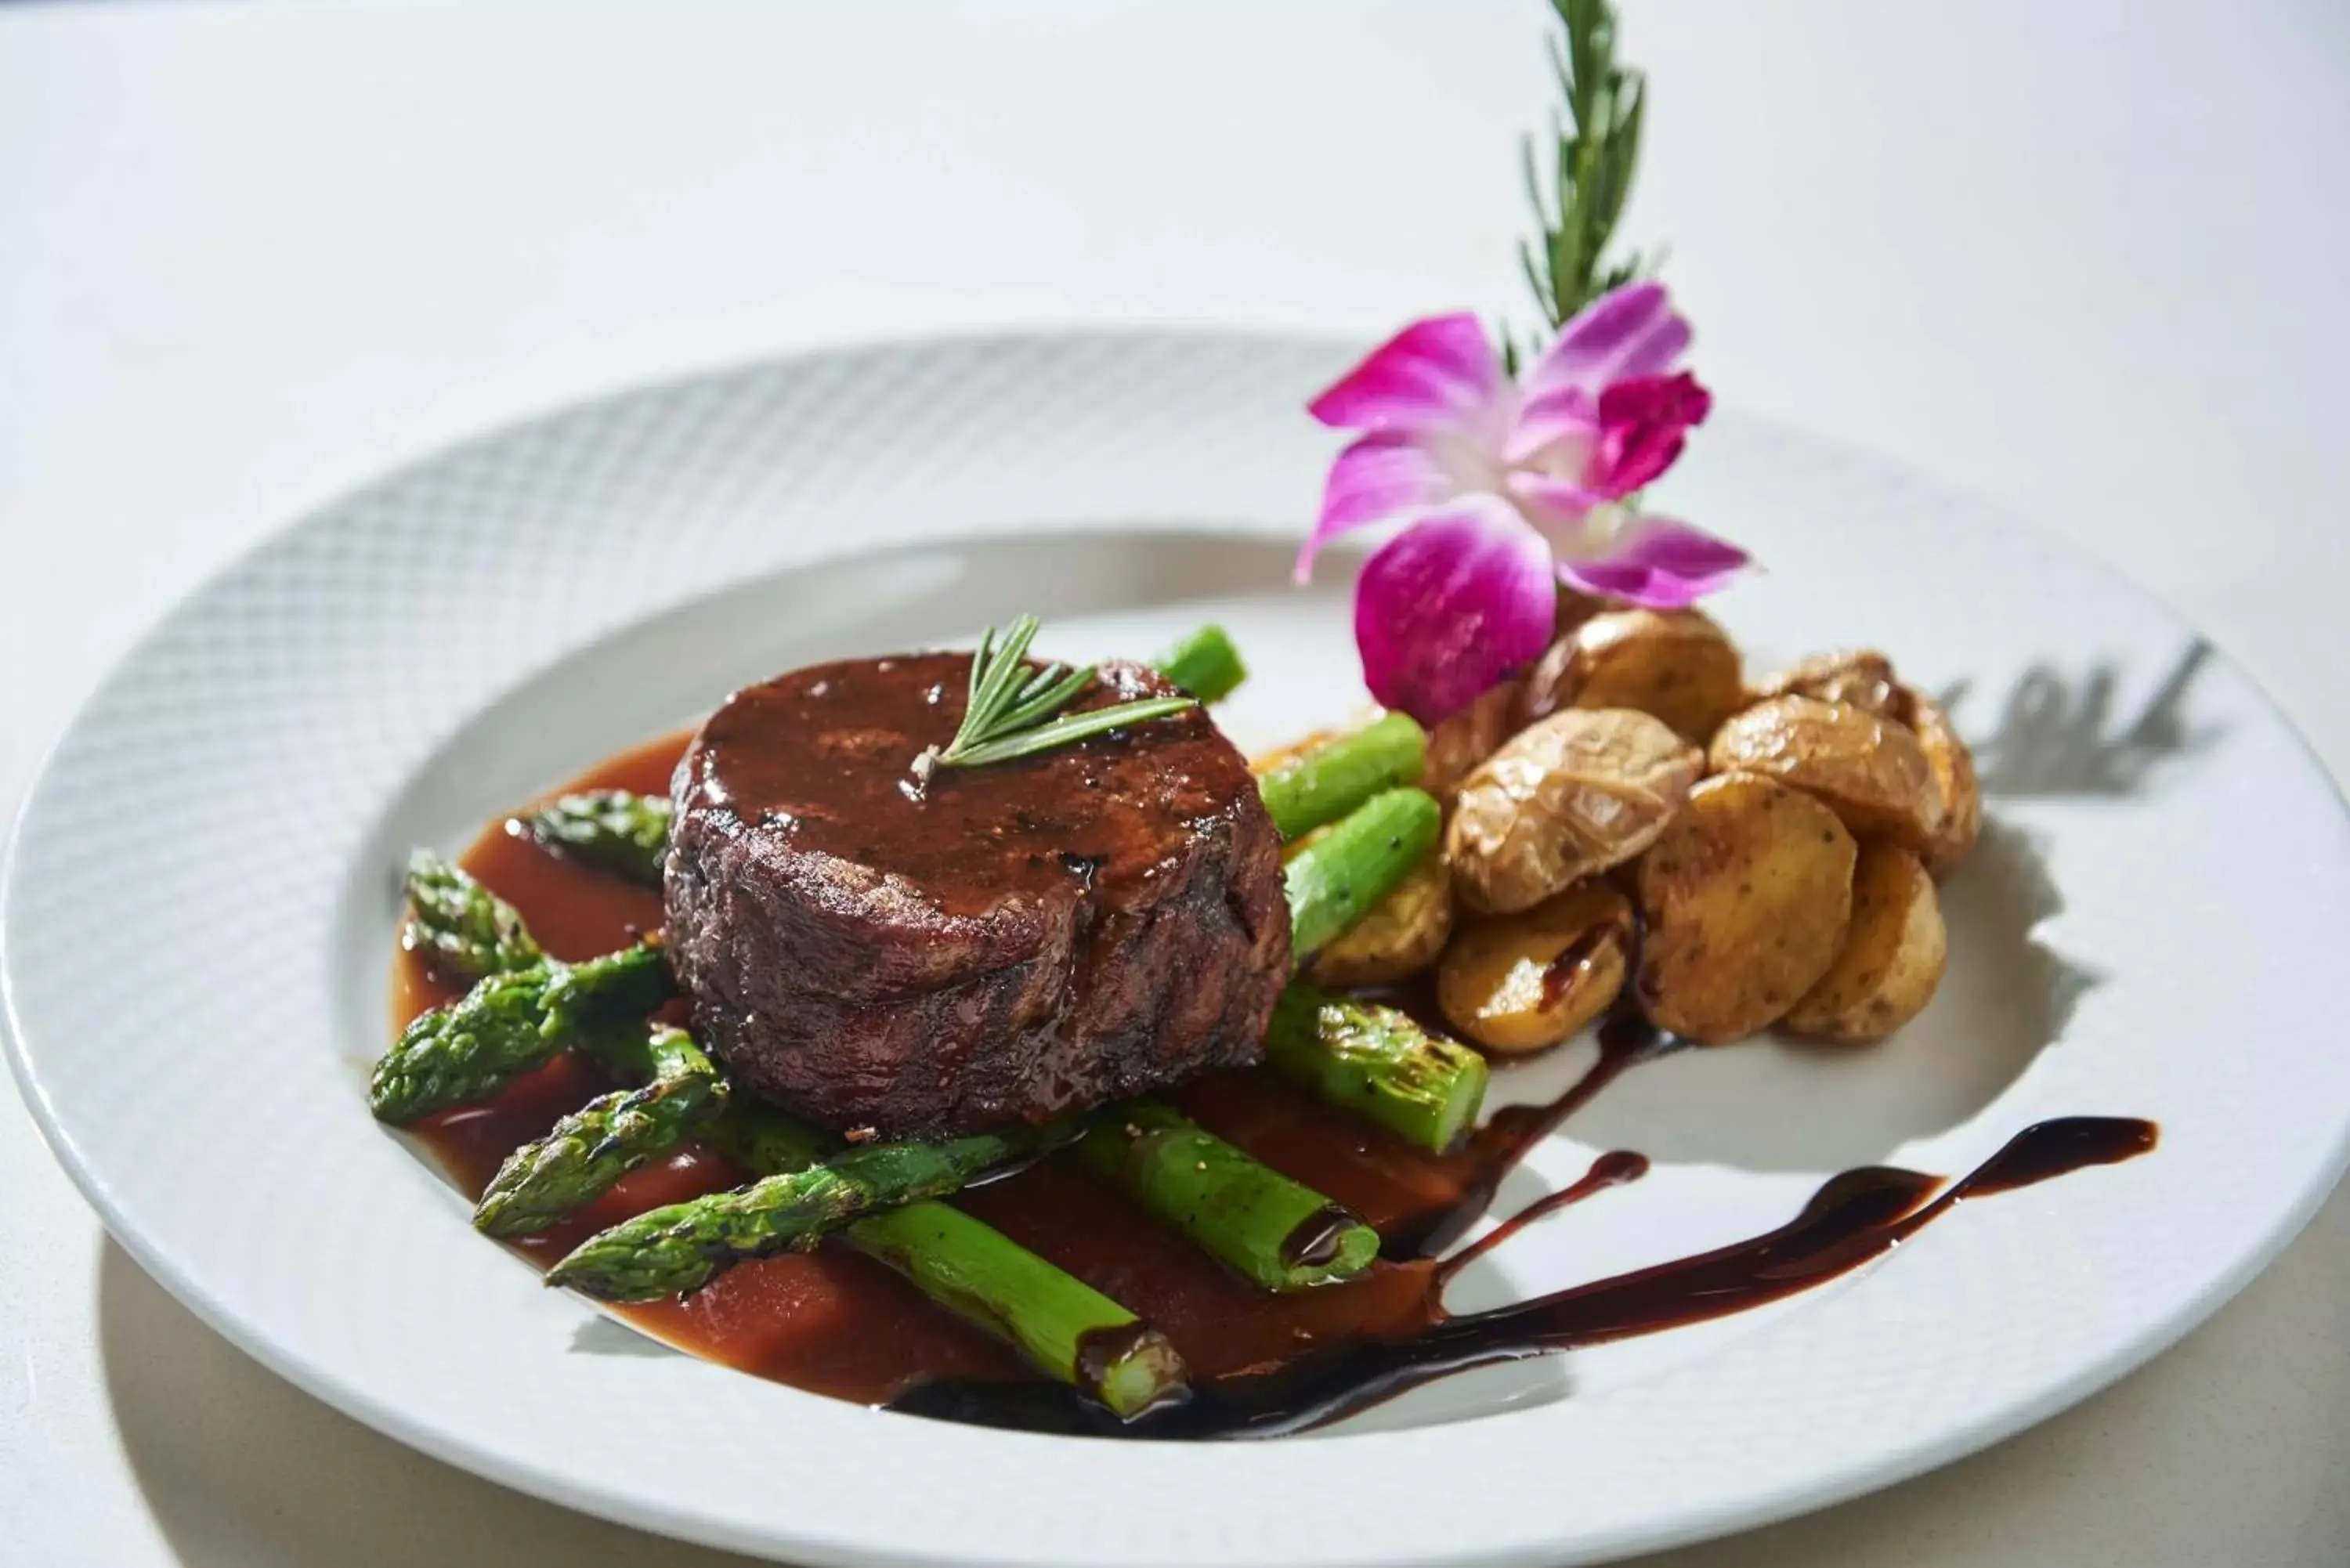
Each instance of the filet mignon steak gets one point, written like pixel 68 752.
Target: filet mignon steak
pixel 992 945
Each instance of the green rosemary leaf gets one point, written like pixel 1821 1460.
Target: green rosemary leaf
pixel 1050 701
pixel 1593 158
pixel 1070 727
pixel 1009 712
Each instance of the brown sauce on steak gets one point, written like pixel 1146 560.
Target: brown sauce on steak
pixel 825 757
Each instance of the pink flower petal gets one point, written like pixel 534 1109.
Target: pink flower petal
pixel 1643 423
pixel 1559 505
pixel 1626 332
pixel 1451 605
pixel 1434 374
pixel 1377 477
pixel 1659 564
pixel 1562 416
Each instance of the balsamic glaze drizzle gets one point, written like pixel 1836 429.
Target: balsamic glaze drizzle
pixel 1854 1217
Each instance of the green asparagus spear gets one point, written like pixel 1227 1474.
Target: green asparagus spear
pixel 1325 784
pixel 618 829
pixel 589 1150
pixel 762 1140
pixel 677 1248
pixel 1063 1325
pixel 467 930
pixel 1334 881
pixel 1279 1234
pixel 508 1023
pixel 1057 1321
pixel 1378 1064
pixel 1206 664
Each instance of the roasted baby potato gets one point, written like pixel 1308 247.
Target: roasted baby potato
pixel 1745 899
pixel 1861 678
pixel 1457 744
pixel 1565 798
pixel 1892 956
pixel 1953 767
pixel 1401 935
pixel 1675 664
pixel 1528 981
pixel 1870 770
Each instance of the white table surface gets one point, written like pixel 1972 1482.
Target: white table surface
pixel 2092 259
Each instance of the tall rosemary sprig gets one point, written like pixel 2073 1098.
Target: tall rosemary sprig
pixel 1011 710
pixel 1593 155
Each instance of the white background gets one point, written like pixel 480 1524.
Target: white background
pixel 2091 258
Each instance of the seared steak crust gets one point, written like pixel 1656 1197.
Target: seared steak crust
pixel 991 946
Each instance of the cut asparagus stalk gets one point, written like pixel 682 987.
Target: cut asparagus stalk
pixel 618 829
pixel 589 1150
pixel 1378 1064
pixel 1334 881
pixel 1206 664
pixel 466 930
pixel 1062 1324
pixel 1275 1233
pixel 1325 782
pixel 508 1023
pixel 668 1250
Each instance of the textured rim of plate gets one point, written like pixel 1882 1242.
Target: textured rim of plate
pixel 953 439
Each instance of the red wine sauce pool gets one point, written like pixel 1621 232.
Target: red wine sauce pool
pixel 838 1324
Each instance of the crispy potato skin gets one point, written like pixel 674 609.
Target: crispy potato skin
pixel 1953 767
pixel 1566 798
pixel 1871 770
pixel 1745 898
pixel 1525 981
pixel 1457 744
pixel 1402 934
pixel 1677 665
pixel 1892 958
pixel 1858 678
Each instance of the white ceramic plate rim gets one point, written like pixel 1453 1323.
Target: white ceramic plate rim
pixel 952 1522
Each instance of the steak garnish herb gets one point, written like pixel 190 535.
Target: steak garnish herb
pixel 1014 711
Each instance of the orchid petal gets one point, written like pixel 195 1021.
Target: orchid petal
pixel 1557 506
pixel 1563 416
pixel 1377 477
pixel 1643 424
pixel 1451 605
pixel 1659 564
pixel 1438 373
pixel 1626 332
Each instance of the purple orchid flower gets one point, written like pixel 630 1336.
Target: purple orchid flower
pixel 1512 488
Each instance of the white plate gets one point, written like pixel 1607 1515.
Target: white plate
pixel 199 901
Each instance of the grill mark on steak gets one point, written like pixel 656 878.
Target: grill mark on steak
pixel 1006 944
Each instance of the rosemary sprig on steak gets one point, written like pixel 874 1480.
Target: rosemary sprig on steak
pixel 1014 711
